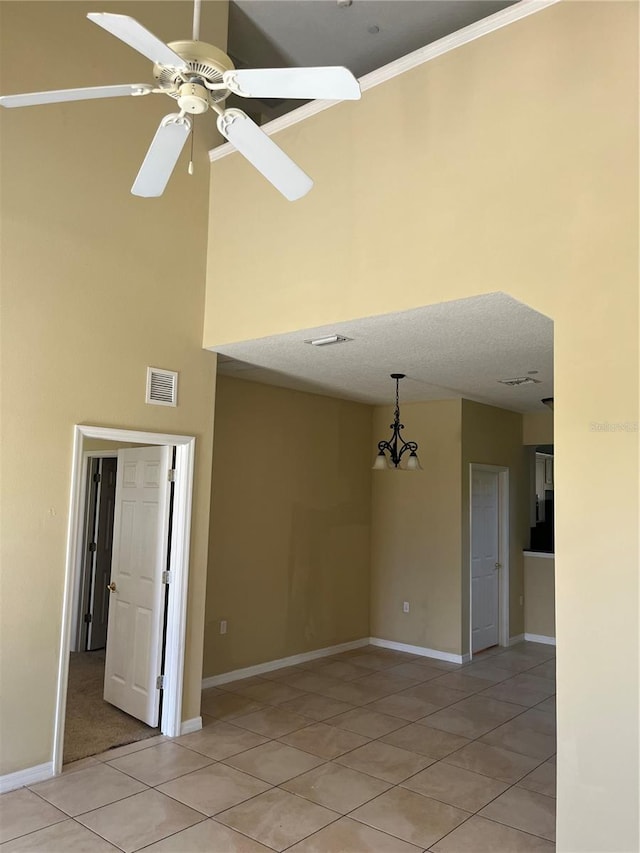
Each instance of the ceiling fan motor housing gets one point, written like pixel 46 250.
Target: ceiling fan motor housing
pixel 206 63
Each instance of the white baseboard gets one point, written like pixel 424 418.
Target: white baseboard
pixel 540 638
pixel 420 650
pixel 193 725
pixel 513 641
pixel 29 776
pixel 269 666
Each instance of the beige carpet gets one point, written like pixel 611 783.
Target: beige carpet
pixel 93 725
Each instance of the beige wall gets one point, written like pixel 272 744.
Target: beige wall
pixel 96 285
pixel 290 524
pixel 510 164
pixel 537 427
pixel 415 531
pixel 493 436
pixel 539 596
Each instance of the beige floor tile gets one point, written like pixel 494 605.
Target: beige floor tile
pixel 413 818
pixel 521 739
pixel 425 740
pixel 65 837
pixel 277 818
pixel 441 697
pixel 542 780
pixel 335 787
pixel 324 741
pixel 272 722
pixel 87 789
pixel 524 810
pixel 127 749
pixel 386 682
pixel 474 716
pixel 373 661
pixel 314 682
pixel 478 835
pixel 455 786
pixel 406 707
pixel 140 820
pixel 22 811
pixel 214 788
pixel 544 670
pixel 283 673
pixel 524 689
pixel 549 705
pixel 543 721
pixel 207 837
pixel 220 740
pixel 237 684
pixel 160 763
pixel 420 672
pixel 269 692
pixel 362 721
pixel 493 761
pixel 274 762
pixel 355 693
pixel 349 836
pixel 226 706
pixel 384 761
pixel 80 764
pixel 343 670
pixel 315 706
pixel 513 662
pixel 487 672
pixel 461 681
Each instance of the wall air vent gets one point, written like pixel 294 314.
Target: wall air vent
pixel 520 380
pixel 162 387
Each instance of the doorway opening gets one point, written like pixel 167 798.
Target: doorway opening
pixel 150 464
pixel 489 557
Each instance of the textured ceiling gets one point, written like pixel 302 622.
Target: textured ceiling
pixel 450 350
pixel 363 36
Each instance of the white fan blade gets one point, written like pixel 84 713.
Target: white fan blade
pixel 34 98
pixel 162 156
pixel 264 154
pixel 333 83
pixel 138 37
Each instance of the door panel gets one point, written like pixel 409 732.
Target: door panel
pixel 140 541
pixel 484 559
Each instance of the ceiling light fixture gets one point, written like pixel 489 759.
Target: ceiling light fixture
pixel 329 339
pixel 396 446
pixel 548 401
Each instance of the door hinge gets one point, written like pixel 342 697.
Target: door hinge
pixel 172 475
pixel 93 547
pixel 160 682
pixel 88 618
pixel 97 478
pixel 166 577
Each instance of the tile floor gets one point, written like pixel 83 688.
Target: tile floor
pixel 369 750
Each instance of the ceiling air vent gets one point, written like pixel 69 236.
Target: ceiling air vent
pixel 520 380
pixel 162 387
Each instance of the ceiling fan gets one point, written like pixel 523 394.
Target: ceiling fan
pixel 200 77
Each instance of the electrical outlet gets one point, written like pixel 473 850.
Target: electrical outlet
pixel 405 607
pixel 223 626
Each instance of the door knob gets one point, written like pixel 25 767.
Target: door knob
pixel 498 565
pixel 112 586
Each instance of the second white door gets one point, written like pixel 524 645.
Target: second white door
pixel 485 538
pixel 136 608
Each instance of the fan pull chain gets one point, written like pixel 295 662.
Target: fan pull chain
pixel 190 166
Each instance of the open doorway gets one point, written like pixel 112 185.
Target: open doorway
pixel 139 669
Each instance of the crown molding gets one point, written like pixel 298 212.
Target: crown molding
pixel 406 63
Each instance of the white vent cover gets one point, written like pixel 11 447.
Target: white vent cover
pixel 162 387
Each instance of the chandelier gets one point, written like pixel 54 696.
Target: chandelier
pixel 396 446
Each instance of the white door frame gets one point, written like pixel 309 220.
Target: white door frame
pixel 171 721
pixel 503 551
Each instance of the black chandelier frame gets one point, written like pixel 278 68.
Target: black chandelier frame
pixel 396 446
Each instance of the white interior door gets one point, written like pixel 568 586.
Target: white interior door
pixel 484 560
pixel 136 608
